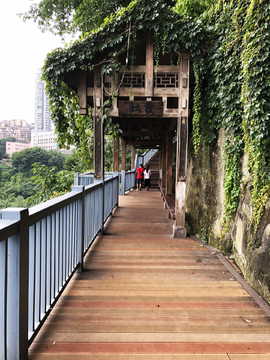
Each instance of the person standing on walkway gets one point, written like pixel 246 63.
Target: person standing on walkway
pixel 147 174
pixel 140 172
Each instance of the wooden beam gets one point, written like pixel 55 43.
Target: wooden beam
pixel 164 164
pixel 179 229
pixel 82 94
pixel 144 144
pixel 123 148
pixel 98 148
pixel 116 154
pixel 149 76
pixel 132 157
pixel 98 127
pixel 142 133
pixel 169 158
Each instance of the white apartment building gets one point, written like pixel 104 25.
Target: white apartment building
pixel 42 108
pixel 44 139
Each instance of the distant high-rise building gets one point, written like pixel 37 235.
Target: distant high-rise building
pixel 42 109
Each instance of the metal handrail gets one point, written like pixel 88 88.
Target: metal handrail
pixel 49 239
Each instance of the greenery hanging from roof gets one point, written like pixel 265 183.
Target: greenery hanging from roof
pixel 230 46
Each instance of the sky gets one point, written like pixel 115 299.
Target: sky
pixel 23 51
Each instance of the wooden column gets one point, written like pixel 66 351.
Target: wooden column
pixel 132 157
pixel 149 76
pixel 82 94
pixel 169 158
pixel 179 229
pixel 160 165
pixel 123 163
pixel 164 165
pixel 116 154
pixel 98 127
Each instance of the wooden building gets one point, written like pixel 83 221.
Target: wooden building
pixel 150 93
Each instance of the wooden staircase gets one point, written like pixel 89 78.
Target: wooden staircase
pixel 153 164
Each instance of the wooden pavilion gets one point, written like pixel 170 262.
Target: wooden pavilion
pixel 151 106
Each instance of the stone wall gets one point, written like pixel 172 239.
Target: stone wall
pixel 204 213
pixel 204 206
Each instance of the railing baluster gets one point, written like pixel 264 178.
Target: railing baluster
pixel 43 283
pixel 32 277
pixel 3 299
pixel 61 259
pixel 53 247
pixel 38 277
pixel 57 253
pixel 49 263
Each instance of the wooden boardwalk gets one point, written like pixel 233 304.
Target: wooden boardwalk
pixel 145 295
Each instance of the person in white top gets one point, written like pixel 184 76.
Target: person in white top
pixel 147 174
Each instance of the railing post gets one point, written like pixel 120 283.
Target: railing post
pixel 123 182
pixel 76 178
pixel 17 289
pixel 81 224
pixel 102 206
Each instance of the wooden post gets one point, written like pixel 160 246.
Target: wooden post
pixel 132 157
pixel 149 76
pixel 116 154
pixel 82 94
pixel 123 162
pixel 98 128
pixel 169 158
pixel 163 165
pixel 179 229
pixel 160 166
pixel 123 167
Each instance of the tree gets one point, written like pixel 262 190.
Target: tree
pixel 50 183
pixel 76 163
pixel 70 16
pixel 56 158
pixel 23 160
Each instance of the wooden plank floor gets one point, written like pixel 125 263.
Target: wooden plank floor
pixel 146 295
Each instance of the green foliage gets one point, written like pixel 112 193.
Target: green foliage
pixel 50 183
pixel 193 8
pixel 14 188
pixel 76 163
pixel 71 16
pixel 22 161
pixel 236 97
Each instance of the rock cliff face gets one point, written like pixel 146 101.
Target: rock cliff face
pixel 204 213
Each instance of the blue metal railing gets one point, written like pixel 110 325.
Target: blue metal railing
pixel 40 249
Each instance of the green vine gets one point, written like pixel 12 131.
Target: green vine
pixel 229 45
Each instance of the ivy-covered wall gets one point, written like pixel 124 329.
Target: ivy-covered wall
pixel 205 194
pixel 205 212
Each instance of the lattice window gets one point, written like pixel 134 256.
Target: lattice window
pixel 133 80
pixel 166 81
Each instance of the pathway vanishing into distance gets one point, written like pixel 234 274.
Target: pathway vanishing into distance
pixel 146 295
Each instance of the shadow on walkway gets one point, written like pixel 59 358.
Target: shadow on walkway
pixel 146 295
